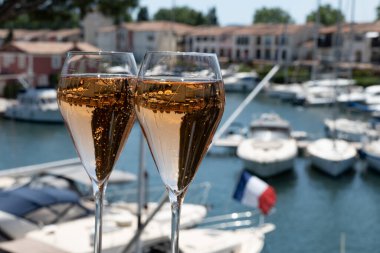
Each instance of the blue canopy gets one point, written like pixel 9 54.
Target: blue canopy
pixel 24 200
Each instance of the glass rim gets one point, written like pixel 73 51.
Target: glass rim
pixel 98 53
pixel 182 53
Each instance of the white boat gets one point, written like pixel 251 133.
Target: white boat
pixel 286 92
pixel 51 211
pixel 367 100
pixel 232 138
pixel 337 83
pixel 349 130
pixel 324 91
pixel 332 156
pixel 319 95
pixel 35 216
pixel 371 152
pixel 240 81
pixel 249 240
pixel 270 149
pixel 36 105
pixel 236 232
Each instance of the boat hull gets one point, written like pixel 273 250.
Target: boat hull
pixel 333 157
pixel 270 168
pixel 333 168
pixel 267 159
pixel 25 114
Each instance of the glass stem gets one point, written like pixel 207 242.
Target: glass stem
pixel 98 191
pixel 176 202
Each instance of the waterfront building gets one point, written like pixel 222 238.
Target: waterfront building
pixel 39 62
pixel 143 36
pixel 358 43
pixel 212 39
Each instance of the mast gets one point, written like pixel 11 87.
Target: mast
pixel 350 45
pixel 315 46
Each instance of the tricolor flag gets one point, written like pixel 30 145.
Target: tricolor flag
pixel 254 192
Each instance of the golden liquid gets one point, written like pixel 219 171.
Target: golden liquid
pixel 99 114
pixel 179 120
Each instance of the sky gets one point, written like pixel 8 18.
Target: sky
pixel 240 12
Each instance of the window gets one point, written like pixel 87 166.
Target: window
pixel 43 80
pixel 238 54
pixel 267 40
pixel 242 40
pixel 56 62
pixel 258 40
pixel 267 54
pixel 258 54
pixel 8 59
pixel 150 37
pixel 283 40
pixel 284 55
pixel 21 61
pixel 221 52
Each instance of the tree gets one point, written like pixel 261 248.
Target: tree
pixel 143 14
pixel 378 12
pixel 58 13
pixel 272 16
pixel 184 15
pixel 327 15
pixel 211 18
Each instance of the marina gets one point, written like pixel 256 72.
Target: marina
pixel 312 211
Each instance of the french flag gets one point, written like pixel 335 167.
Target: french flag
pixel 254 192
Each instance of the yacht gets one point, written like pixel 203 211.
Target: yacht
pixel 349 130
pixel 240 81
pixel 270 148
pixel 332 156
pixel 45 218
pixel 371 153
pixel 36 105
pixel 286 92
pixel 232 138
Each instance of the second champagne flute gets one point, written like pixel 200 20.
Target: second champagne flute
pixel 95 97
pixel 179 103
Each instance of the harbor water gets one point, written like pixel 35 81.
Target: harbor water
pixel 313 211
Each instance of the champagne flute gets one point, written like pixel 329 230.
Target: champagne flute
pixel 95 97
pixel 179 101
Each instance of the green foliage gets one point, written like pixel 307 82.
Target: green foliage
pixel 56 14
pixel 327 15
pixel 299 74
pixel 272 16
pixel 366 77
pixel 184 15
pixel 244 68
pixel 378 12
pixel 11 89
pixel 118 9
pixel 143 14
pixel 211 17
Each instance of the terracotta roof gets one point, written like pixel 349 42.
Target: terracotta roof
pixel 270 29
pixel 111 28
pixel 213 30
pixel 64 32
pixel 158 26
pixel 24 34
pixel 43 47
pixel 358 28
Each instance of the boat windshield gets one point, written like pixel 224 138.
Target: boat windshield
pixel 270 134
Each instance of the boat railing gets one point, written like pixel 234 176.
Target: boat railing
pixel 197 194
pixel 234 221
